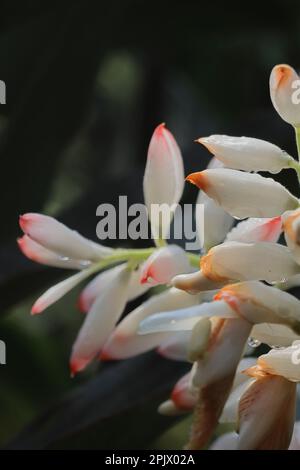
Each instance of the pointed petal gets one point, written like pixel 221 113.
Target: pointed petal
pixel 39 254
pixel 168 408
pixel 57 291
pixel 264 261
pixel 256 230
pixel 100 321
pixel 56 237
pixel 247 153
pixel 284 82
pixel 244 194
pixel 164 264
pixel 164 175
pixel 125 342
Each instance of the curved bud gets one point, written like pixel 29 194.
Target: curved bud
pixel 247 153
pixel 39 254
pixel 164 176
pixel 263 261
pixel 244 194
pixel 168 408
pixel 267 413
pixel 256 230
pixel 102 280
pixel 259 303
pixel 57 291
pixel 125 342
pixel 100 321
pixel 196 282
pixel 284 83
pixel 164 264
pixel 57 237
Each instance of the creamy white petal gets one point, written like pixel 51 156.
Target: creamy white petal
pixel 295 442
pixel 125 342
pixel 102 280
pixel 57 237
pixel 284 362
pixel 196 282
pixel 247 153
pixel 274 335
pixel 244 194
pixel 264 261
pixel 175 346
pixel 184 319
pixel 164 176
pixel 259 303
pixel 256 230
pixel 284 91
pixel 164 264
pixel 100 321
pixel 182 395
pixel 291 226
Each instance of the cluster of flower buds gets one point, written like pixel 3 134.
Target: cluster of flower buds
pixel 205 316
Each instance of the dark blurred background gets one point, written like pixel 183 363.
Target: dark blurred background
pixel 87 82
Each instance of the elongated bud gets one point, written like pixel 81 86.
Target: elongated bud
pixel 244 194
pixel 284 91
pixel 57 237
pixel 256 230
pixel 291 227
pixel 164 176
pixel 259 303
pixel 247 153
pixel 263 261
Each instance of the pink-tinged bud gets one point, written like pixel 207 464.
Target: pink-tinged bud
pixel 266 412
pixel 244 194
pixel 263 261
pixel 168 408
pixel 164 175
pixel 284 91
pixel 247 153
pixel 259 303
pixel 102 280
pixel 256 230
pixel 39 254
pixel 125 341
pixel 164 264
pixel 184 397
pixel 56 237
pixel 100 321
pixel 57 291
